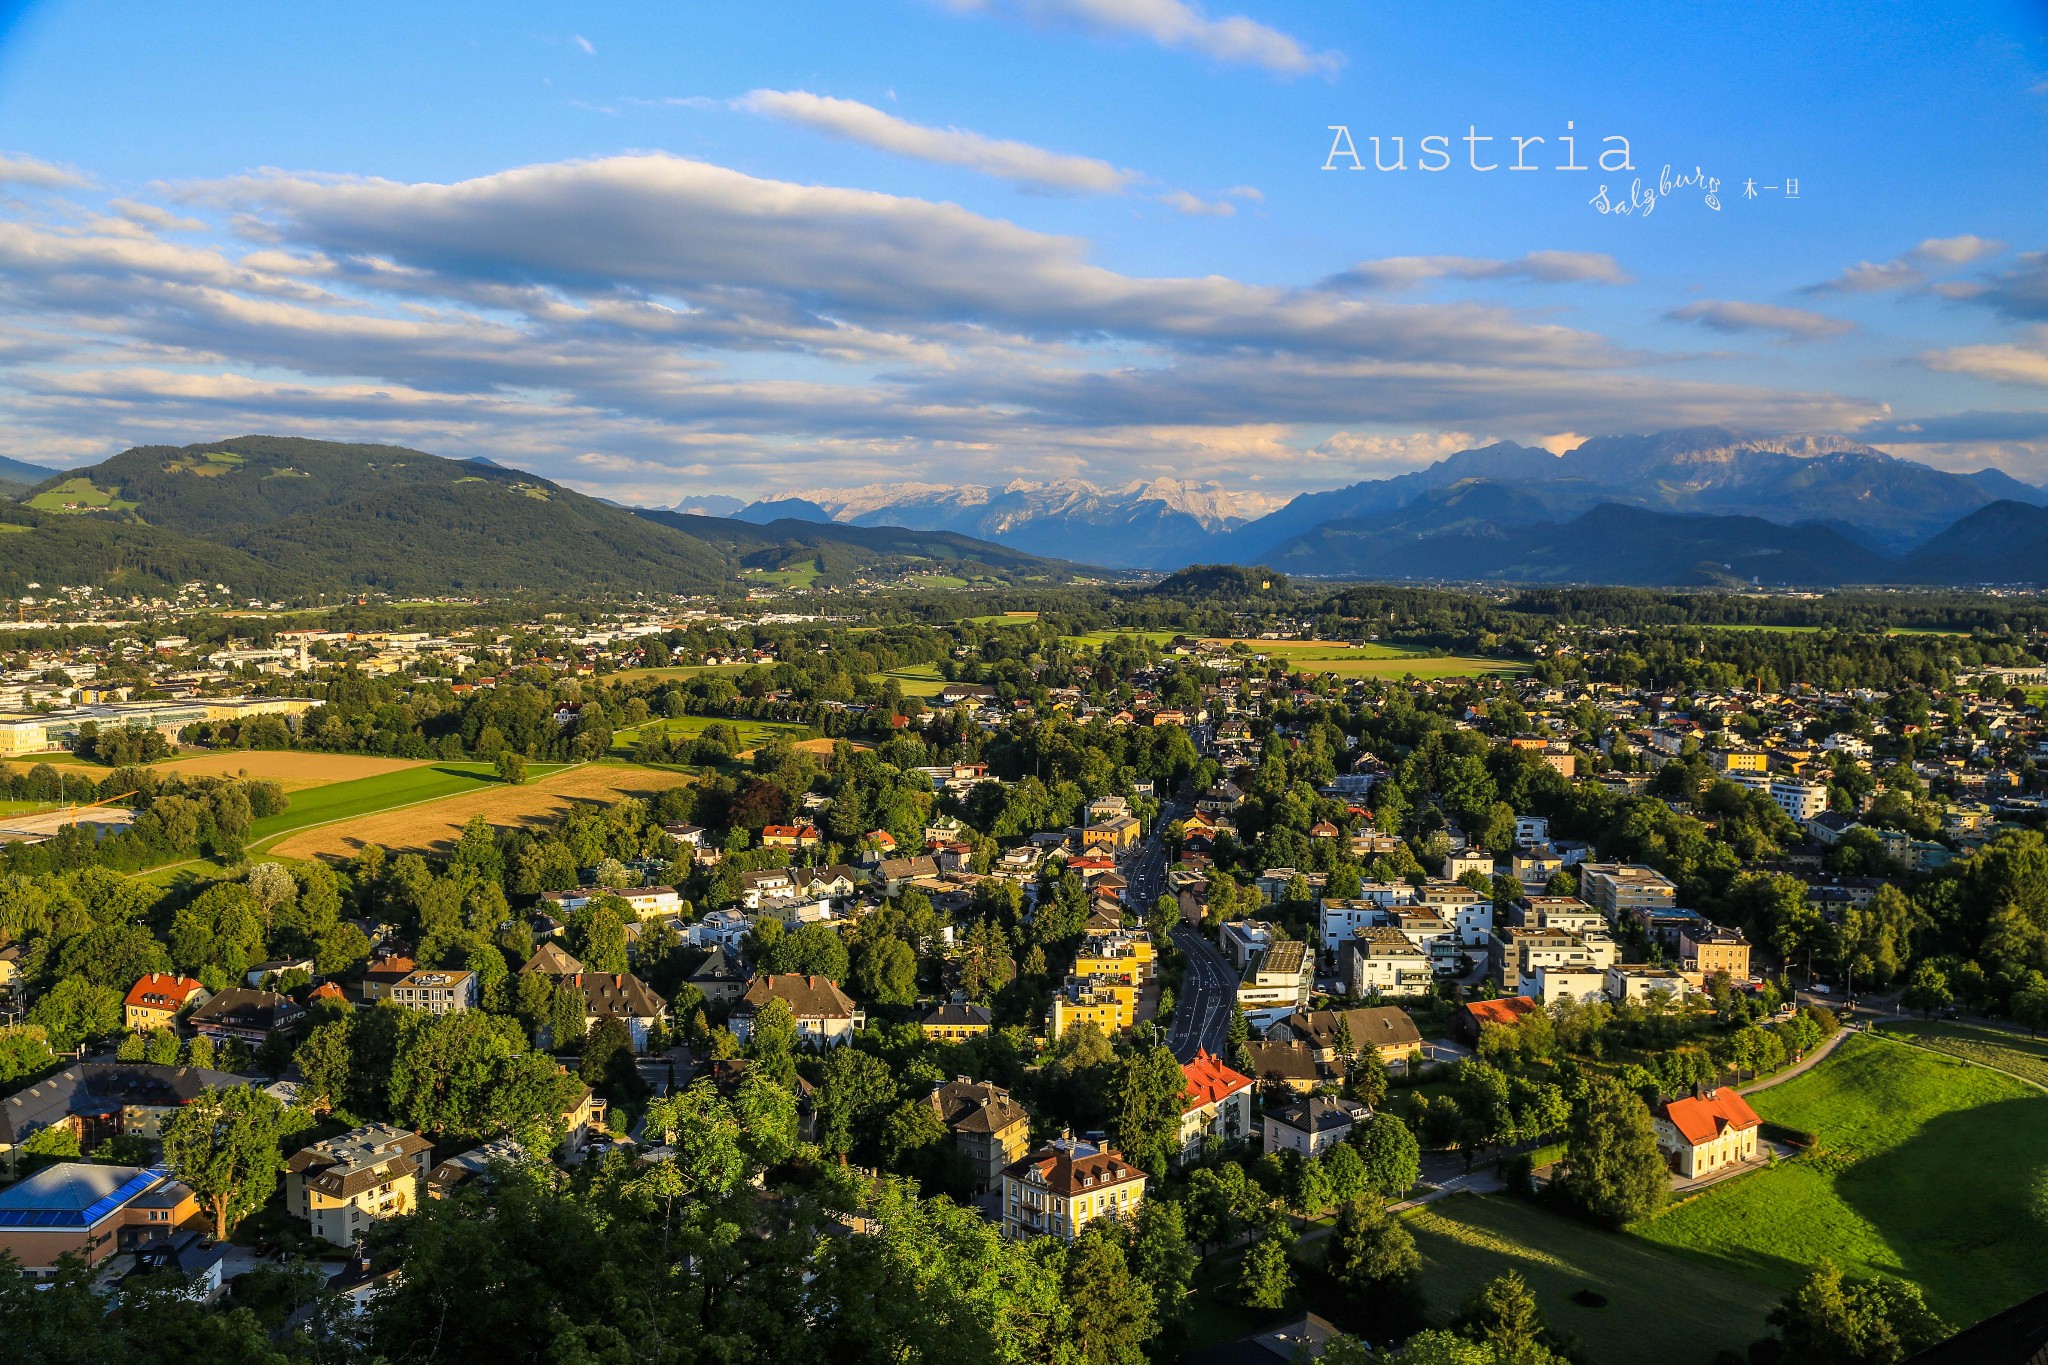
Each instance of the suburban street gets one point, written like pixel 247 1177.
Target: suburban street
pixel 1208 994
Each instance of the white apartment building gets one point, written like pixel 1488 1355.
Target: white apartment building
pixel 1383 960
pixel 1798 798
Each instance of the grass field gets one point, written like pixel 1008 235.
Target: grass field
pixel 677 671
pixel 2026 1057
pixel 1660 1307
pixel 78 495
pixel 433 823
pixel 1815 630
pixel 1928 1168
pixel 294 769
pixel 796 576
pixel 751 732
pixel 1099 638
pixel 370 796
pixel 917 680
pixel 1371 660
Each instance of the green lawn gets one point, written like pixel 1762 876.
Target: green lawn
pixel 1659 1307
pixel 1929 1168
pixel 751 732
pixel 368 795
pixel 1376 660
pixel 679 671
pixel 796 576
pixel 2022 1056
pixel 917 680
pixel 77 495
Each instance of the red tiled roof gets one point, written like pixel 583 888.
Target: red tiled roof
pixel 1700 1118
pixel 1506 1010
pixel 162 991
pixel 1210 1081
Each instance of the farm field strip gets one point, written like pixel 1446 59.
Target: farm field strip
pixel 294 769
pixel 434 822
pixel 751 732
pixel 370 796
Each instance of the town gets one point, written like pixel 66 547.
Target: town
pixel 1198 969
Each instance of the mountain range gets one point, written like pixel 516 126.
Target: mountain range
pixel 1701 504
pixel 1152 524
pixel 278 516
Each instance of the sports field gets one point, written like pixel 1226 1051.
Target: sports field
pixel 434 821
pixel 293 769
pixel 1928 1168
pixel 1466 1240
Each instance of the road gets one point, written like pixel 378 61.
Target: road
pixel 1207 999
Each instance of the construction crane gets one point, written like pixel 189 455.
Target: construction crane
pixel 105 800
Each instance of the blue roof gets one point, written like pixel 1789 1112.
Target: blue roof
pixel 75 1195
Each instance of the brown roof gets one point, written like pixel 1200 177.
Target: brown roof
pixel 616 995
pixel 1384 1026
pixel 808 997
pixel 354 1161
pixel 1287 1061
pixel 1068 1167
pixel 975 1106
pixel 551 959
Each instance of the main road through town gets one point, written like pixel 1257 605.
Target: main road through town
pixel 1208 987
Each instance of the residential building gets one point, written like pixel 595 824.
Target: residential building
pixel 1507 1011
pixel 990 1129
pixel 1709 948
pixel 1637 982
pixel 1117 832
pixel 1341 918
pixel 1312 1125
pixel 1567 913
pixel 1741 760
pixel 1384 1030
pixel 1067 1184
pixel 955 1022
pixel 825 1015
pixel 1470 914
pixel 1383 962
pixel 1217 1103
pixel 155 1001
pixel 1110 1004
pixel 100 1100
pixel 1124 955
pixel 1242 939
pixel 1289 1065
pixel 248 1016
pixel 722 977
pixel 341 1185
pixel 1517 954
pixel 1799 798
pixel 436 992
pixel 645 902
pixel 1701 1134
pixel 1472 860
pixel 1280 978
pixel 91 1212
pixel 1548 985
pixel 790 836
pixel 1615 889
pixel 606 995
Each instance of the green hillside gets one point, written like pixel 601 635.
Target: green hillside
pixel 278 516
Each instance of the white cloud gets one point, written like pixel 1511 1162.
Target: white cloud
pixel 28 170
pixel 1180 201
pixel 871 127
pixel 584 45
pixel 1381 456
pixel 1179 26
pixel 1905 271
pixel 1792 324
pixel 2021 362
pixel 1544 267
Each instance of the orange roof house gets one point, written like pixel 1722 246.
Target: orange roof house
pixel 1507 1011
pixel 154 1000
pixel 1217 1103
pixel 1702 1134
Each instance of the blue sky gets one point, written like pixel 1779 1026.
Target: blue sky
pixel 660 250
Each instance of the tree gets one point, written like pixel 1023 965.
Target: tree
pixel 75 1011
pixel 1612 1169
pixel 511 767
pixel 854 1093
pixel 224 1146
pixel 1393 1158
pixel 1310 1191
pixel 1112 1315
pixel 1346 1170
pixel 1161 1256
pixel 1145 1109
pixel 58 1142
pixel 606 1065
pixel 2030 1004
pixel 1830 1320
pixel 1502 1315
pixel 1266 1274
pixel 1370 1248
pixel 1928 990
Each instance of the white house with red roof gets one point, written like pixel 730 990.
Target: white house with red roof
pixel 1217 1103
pixel 1701 1134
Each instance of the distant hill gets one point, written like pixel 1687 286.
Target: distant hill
pixel 782 509
pixel 1611 544
pixel 274 516
pixel 2006 542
